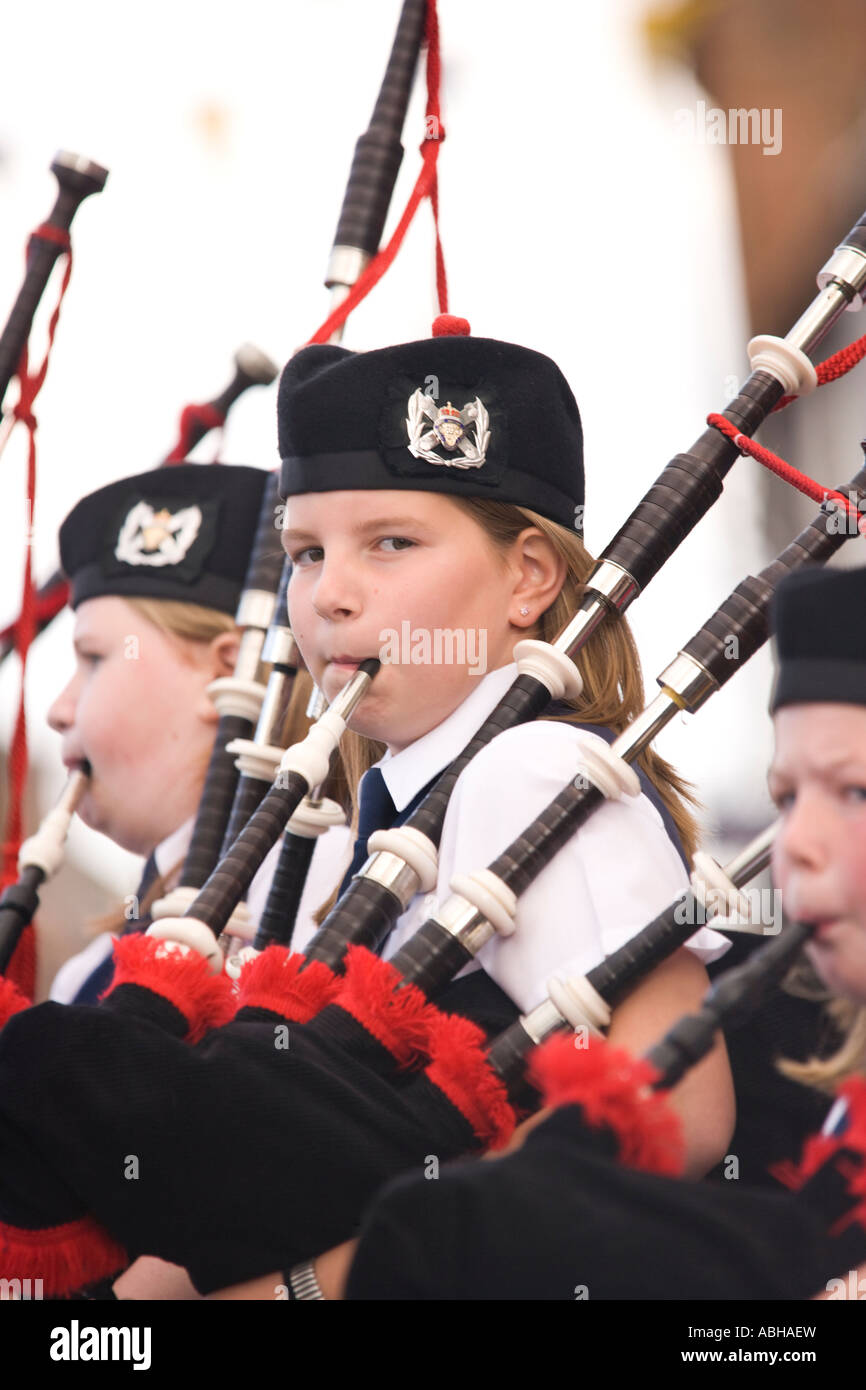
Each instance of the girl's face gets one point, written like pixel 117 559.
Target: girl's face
pixel 137 712
pixel 412 579
pixel 818 781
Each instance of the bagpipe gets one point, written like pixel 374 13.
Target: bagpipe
pixel 373 1075
pixel 77 178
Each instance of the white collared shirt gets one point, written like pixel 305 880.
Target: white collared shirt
pixel 169 855
pixel 612 877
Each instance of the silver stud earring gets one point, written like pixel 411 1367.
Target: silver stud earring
pixel 524 612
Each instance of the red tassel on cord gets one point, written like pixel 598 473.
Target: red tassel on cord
pixel 275 981
pixel 205 1000
pixel 821 1148
pixel 460 1069
pixel 400 1019
pixel 12 1001
pixel 64 1258
pixel 610 1086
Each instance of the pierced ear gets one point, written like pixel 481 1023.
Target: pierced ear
pixel 543 572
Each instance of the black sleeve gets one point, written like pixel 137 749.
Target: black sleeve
pixel 411 1245
pixel 561 1220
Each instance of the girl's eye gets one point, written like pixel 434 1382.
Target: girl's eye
pixel 857 794
pixel 399 543
pixel 311 556
pixel 784 800
pixel 90 658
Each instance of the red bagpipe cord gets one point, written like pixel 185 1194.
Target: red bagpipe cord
pixel 820 1149
pixel 831 369
pixel 25 627
pixel 426 186
pixel 195 422
pixel 183 978
pixel 611 1088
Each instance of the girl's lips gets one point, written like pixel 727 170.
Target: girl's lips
pixel 345 663
pixel 77 765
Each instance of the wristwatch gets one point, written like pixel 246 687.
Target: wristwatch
pixel 303 1284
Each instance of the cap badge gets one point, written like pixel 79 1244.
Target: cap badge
pixel 449 431
pixel 157 538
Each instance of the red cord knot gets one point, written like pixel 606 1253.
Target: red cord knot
pixel 25 415
pixel 450 326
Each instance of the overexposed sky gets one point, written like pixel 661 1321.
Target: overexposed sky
pixel 575 219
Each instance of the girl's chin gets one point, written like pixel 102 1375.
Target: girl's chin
pixel 96 817
pixel 842 971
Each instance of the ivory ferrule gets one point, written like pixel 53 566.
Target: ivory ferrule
pixel 543 1021
pixel 579 1002
pixel 175 903
pixel 412 848
pixel 186 934
pixel 552 667
pixel 240 697
pixel 255 759
pixel 313 818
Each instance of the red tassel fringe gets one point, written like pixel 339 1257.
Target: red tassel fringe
pixel 65 1258
pixel 610 1087
pixel 820 1148
pixel 400 1019
pixel 460 1069
pixel 275 981
pixel 12 1001
pixel 185 980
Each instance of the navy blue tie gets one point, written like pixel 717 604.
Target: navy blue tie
pixel 376 811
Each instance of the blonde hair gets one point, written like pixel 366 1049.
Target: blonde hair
pixel 847 1019
pixel 189 622
pixel 613 693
